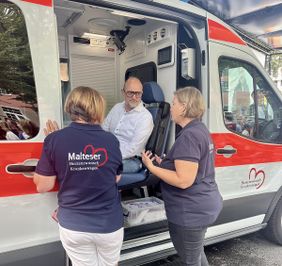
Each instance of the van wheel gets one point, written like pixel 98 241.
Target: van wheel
pixel 273 230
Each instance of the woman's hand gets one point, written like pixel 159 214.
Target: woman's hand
pixel 147 159
pixel 118 177
pixel 51 126
pixel 159 159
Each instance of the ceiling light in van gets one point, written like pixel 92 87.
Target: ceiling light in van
pixel 94 36
pixel 102 22
pixel 136 22
pixel 126 14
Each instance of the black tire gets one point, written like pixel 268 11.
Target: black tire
pixel 273 231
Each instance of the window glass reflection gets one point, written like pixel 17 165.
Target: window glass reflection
pixel 18 101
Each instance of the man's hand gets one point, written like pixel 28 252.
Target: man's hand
pixel 51 126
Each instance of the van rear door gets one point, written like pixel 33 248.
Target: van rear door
pixel 29 94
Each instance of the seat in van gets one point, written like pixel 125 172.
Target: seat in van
pixel 153 98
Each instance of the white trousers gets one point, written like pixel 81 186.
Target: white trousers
pixel 92 249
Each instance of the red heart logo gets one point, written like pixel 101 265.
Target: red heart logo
pixel 94 151
pixel 257 176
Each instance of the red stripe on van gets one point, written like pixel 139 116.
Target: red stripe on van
pixel 41 2
pixel 248 151
pixel 221 33
pixel 17 153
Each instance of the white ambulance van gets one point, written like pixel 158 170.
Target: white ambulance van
pixel 49 47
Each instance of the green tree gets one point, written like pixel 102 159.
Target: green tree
pixel 16 73
pixel 275 64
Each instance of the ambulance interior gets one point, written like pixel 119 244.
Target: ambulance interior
pixel 101 47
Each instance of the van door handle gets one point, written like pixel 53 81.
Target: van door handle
pixel 26 168
pixel 20 168
pixel 226 151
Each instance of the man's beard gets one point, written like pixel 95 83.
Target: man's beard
pixel 132 105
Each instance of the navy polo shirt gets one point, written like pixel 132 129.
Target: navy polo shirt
pixel 200 204
pixel 86 160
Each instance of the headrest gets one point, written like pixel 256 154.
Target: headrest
pixel 152 93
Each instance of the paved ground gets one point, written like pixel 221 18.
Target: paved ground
pixel 250 250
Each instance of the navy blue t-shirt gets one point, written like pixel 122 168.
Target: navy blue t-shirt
pixel 86 160
pixel 200 204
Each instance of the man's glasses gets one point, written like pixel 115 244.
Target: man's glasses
pixel 130 94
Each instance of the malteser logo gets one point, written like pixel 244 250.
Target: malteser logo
pixel 255 180
pixel 89 159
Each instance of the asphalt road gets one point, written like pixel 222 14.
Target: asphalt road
pixel 249 250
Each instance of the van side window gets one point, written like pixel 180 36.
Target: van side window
pixel 250 106
pixel 18 101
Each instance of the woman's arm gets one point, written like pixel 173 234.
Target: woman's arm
pixel 44 183
pixel 183 177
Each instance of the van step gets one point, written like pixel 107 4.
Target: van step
pixel 170 261
pixel 173 263
pixel 145 230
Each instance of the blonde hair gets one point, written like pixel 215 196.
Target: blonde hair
pixel 85 103
pixel 193 100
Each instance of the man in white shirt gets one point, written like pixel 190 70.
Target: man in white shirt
pixel 131 123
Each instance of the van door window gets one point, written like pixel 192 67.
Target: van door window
pixel 250 106
pixel 18 102
pixel 145 72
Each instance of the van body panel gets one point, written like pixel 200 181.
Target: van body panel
pixel 248 171
pixel 179 5
pixel 26 221
pixel 43 255
pixel 263 152
pixel 25 214
pixel 218 32
pixel 13 183
pixel 40 2
pixel 252 169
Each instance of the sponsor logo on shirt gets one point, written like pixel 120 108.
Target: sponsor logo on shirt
pixel 89 159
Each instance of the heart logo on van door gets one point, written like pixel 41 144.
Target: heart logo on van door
pixel 256 178
pixel 100 153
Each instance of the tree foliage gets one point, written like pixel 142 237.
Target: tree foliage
pixel 275 64
pixel 16 73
